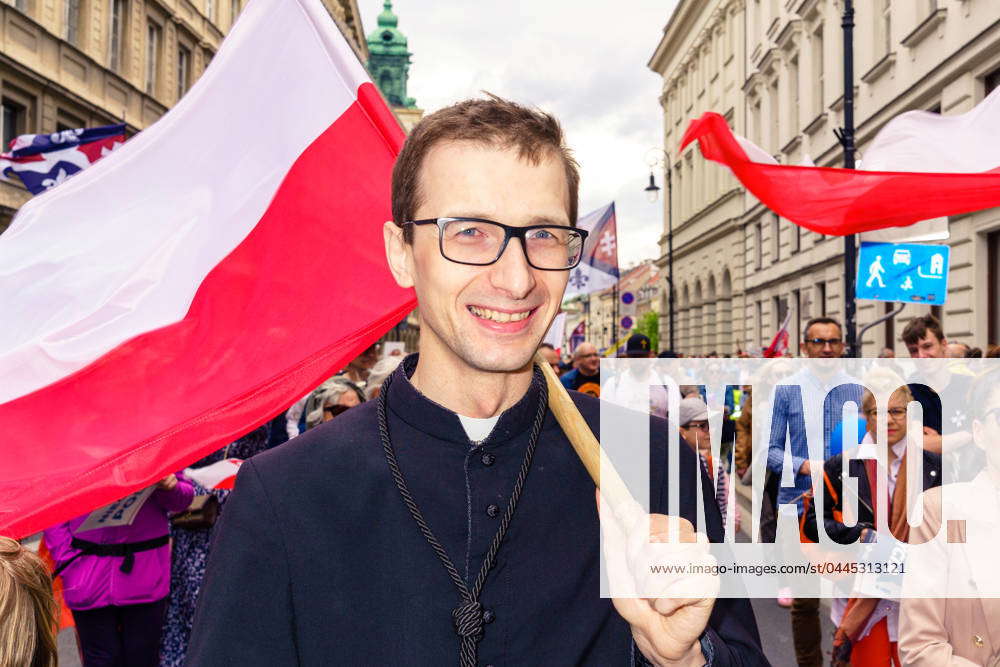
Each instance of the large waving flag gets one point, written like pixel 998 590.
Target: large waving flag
pixel 202 277
pixel 951 161
pixel 598 268
pixel 43 161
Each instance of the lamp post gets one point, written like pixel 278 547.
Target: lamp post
pixel 653 194
pixel 846 137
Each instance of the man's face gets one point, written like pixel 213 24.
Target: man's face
pixel 490 318
pixel 831 345
pixel 587 359
pixel 928 347
pixel 696 433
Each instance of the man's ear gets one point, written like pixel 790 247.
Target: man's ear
pixel 398 253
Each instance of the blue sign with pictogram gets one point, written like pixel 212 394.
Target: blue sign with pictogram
pixel 627 322
pixel 903 272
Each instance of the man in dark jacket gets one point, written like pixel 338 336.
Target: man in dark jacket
pixel 426 527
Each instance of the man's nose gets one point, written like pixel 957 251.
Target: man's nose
pixel 512 273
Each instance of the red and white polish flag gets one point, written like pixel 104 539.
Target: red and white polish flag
pixel 194 283
pixel 921 166
pixel 218 475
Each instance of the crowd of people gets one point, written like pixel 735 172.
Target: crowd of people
pixel 131 590
pixel 868 630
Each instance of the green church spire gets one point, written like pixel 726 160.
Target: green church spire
pixel 389 61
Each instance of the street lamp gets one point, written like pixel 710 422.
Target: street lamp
pixel 658 157
pixel 652 190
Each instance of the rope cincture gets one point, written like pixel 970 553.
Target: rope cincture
pixel 467 617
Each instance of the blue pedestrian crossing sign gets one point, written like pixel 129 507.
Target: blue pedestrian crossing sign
pixel 906 272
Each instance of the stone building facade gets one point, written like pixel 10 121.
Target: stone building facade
pixel 701 58
pixel 82 63
pixel 937 55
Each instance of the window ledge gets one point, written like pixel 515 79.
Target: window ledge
pixel 926 27
pixel 885 64
pixel 794 143
pixel 815 124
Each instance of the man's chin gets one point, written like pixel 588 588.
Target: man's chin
pixel 498 360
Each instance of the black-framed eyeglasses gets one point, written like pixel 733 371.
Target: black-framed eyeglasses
pixel 823 342
pixel 480 242
pixel 701 426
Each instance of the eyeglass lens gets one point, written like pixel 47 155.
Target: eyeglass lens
pixel 824 341
pixel 478 242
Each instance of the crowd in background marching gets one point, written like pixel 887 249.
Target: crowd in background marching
pixel 131 590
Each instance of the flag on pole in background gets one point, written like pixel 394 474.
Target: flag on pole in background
pixel 779 344
pixel 164 302
pixel 578 336
pixel 42 161
pixel 598 268
pixel 952 161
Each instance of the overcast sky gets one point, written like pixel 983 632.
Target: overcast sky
pixel 583 60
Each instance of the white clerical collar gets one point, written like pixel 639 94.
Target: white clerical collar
pixel 478 428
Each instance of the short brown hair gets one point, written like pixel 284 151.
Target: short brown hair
pixel 918 328
pixel 27 609
pixel 494 122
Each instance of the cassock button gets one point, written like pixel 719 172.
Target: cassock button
pixel 978 641
pixel 492 510
pixel 488 616
pixel 489 459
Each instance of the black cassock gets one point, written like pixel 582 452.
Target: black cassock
pixel 317 561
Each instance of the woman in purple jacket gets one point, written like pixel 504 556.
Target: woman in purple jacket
pixel 118 579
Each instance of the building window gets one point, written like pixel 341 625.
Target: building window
pixel 820 300
pixel 795 244
pixel 234 11
pixel 71 21
pixel 758 246
pixel 210 9
pixel 13 121
pixel 796 322
pixel 154 38
pixel 818 69
pixel 775 238
pixel 780 311
pixel 183 70
pixel 991 81
pixel 21 5
pixel 759 322
pixel 116 32
pixel 993 288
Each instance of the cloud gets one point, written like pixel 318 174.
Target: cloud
pixel 583 61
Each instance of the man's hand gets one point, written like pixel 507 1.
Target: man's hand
pixel 666 625
pixel 804 470
pixel 932 440
pixel 167 483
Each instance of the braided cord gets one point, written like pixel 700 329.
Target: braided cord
pixel 467 618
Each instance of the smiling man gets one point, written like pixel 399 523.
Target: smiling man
pixel 450 520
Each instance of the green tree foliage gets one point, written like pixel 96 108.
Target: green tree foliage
pixel 649 325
